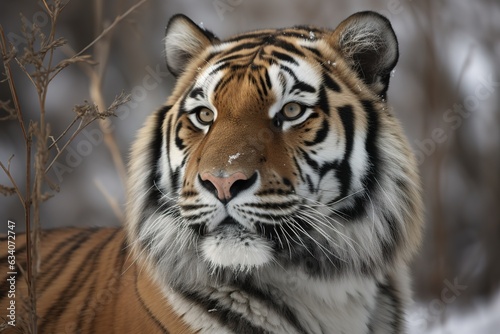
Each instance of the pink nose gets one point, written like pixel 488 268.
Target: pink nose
pixel 223 184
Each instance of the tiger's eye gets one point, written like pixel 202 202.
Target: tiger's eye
pixel 205 116
pixel 292 111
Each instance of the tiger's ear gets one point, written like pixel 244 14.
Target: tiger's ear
pixel 183 41
pixel 368 42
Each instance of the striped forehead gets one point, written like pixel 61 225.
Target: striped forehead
pixel 288 76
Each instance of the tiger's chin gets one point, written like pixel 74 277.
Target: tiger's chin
pixel 235 248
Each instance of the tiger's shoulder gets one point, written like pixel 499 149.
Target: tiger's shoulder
pixel 86 283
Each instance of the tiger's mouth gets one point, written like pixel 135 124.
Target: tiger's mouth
pixel 228 222
pixel 232 245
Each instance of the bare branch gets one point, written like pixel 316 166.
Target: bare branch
pixel 7 191
pixel 10 79
pixel 117 20
pixel 81 126
pixel 15 187
pixel 11 112
pixel 55 141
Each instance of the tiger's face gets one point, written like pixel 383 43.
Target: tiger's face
pixel 275 150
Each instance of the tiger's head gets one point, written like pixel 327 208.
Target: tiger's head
pixel 275 151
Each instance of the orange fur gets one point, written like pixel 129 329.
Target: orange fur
pixel 99 290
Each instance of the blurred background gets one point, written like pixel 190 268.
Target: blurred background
pixel 445 90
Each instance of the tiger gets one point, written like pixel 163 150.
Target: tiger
pixel 273 192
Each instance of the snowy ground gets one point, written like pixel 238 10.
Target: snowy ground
pixel 481 319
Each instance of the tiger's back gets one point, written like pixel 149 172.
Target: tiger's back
pixel 274 192
pixel 87 283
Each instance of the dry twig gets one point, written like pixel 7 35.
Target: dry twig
pixel 36 62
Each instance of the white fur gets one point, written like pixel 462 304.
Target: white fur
pixel 228 250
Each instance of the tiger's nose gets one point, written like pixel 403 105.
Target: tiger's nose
pixel 225 188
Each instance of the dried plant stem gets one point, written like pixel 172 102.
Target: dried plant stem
pixel 16 188
pixel 113 203
pixel 96 79
pixel 55 141
pixel 80 127
pixel 117 20
pixel 110 141
pixel 12 87
pixel 27 200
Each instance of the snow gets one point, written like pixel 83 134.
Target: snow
pixel 483 319
pixel 233 157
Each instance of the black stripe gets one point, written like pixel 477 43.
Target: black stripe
pixel 310 184
pixel 344 171
pixel 326 167
pixel 313 50
pixel 323 103
pixel 282 80
pixel 239 38
pixel 283 310
pixel 60 258
pixel 74 286
pixel 388 246
pixel 268 79
pixel 303 87
pixel 393 304
pixel 284 57
pixel 321 134
pixel 314 165
pixel 174 179
pixel 374 164
pixel 155 149
pixel 122 256
pixel 233 57
pixel 198 215
pixel 241 47
pixel 189 194
pixel 221 84
pixel 272 206
pixel 118 272
pixel 289 71
pixel 288 47
pixel 299 169
pixel 188 207
pixel 263 85
pixel 267 216
pixel 178 141
pixel 237 67
pixel 224 316
pixel 197 92
pixel 210 57
pixel 198 229
pixel 330 83
pixel 371 144
pixel 148 311
pixel 219 68
pixel 253 80
pixel 182 106
pixel 85 311
pixel 154 194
